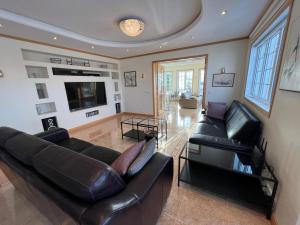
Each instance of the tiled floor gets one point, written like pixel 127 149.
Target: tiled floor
pixel 186 205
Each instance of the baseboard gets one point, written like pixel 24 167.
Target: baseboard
pixel 91 124
pixel 274 221
pixel 137 114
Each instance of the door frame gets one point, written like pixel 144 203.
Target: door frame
pixel 154 79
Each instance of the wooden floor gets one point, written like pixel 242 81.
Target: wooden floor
pixel 186 205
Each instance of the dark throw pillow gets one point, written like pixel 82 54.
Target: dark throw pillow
pixel 144 157
pixel 122 163
pixel 216 110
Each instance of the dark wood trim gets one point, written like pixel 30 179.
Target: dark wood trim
pixel 289 3
pixel 188 47
pixel 55 46
pixel 174 59
pixel 265 10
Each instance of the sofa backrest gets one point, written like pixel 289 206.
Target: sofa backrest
pixel 20 145
pixel 242 124
pixel 84 177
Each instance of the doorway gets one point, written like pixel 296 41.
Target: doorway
pixel 179 83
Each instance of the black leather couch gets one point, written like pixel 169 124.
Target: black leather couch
pixel 90 193
pixel 239 131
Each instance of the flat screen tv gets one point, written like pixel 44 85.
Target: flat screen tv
pixel 83 95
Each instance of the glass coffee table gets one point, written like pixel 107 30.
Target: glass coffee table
pixel 133 131
pixel 229 174
pixel 142 128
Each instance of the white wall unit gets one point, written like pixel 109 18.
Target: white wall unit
pixel 231 55
pixel 19 93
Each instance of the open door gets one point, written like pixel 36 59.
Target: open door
pixel 182 78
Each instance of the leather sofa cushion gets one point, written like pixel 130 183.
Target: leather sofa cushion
pixel 212 121
pixel 7 133
pixel 54 135
pixel 102 154
pixel 75 144
pixel 82 176
pixel 219 142
pixel 236 124
pixel 24 147
pixel 211 130
pixel 231 110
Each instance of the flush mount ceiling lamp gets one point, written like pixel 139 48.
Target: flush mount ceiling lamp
pixel 132 27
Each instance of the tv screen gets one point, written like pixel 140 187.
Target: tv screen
pixel 83 95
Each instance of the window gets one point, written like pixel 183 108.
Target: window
pixel 168 81
pixel 185 81
pixel 262 70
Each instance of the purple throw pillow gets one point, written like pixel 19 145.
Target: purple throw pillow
pixel 216 110
pixel 123 162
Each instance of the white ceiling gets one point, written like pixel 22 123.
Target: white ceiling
pixel 169 24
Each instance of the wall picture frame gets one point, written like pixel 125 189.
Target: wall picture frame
pixel 130 79
pixel 223 80
pixel 290 77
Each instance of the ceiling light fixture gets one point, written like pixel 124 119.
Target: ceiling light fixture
pixel 55 38
pixel 223 12
pixel 132 27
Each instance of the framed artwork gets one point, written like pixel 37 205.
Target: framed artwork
pixel 223 80
pixel 290 78
pixel 130 79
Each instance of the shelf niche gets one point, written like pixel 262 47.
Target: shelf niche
pixel 37 72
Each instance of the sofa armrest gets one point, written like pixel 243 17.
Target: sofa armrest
pixel 54 135
pixel 221 143
pixel 142 200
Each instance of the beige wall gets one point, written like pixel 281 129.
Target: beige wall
pixel 282 131
pixel 231 55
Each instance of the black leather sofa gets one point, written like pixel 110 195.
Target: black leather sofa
pixel 239 131
pixel 39 166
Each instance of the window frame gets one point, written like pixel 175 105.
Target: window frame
pixel 281 21
pixel 185 74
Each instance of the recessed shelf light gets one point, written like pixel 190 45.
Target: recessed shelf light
pixel 223 12
pixel 55 38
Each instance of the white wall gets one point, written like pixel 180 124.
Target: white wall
pixel 19 96
pixel 231 55
pixel 282 131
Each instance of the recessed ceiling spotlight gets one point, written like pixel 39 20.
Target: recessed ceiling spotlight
pixel 55 38
pixel 160 46
pixel 132 27
pixel 1 25
pixel 223 12
pixel 92 46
